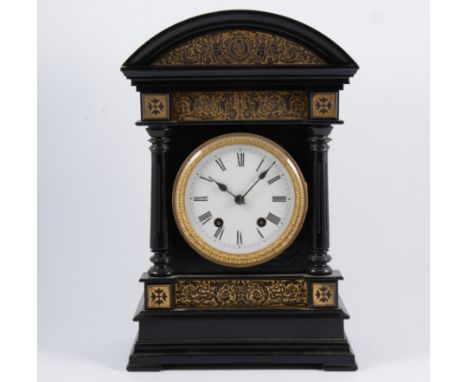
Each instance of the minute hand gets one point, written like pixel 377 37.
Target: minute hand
pixel 261 176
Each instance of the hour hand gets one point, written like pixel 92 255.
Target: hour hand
pixel 222 187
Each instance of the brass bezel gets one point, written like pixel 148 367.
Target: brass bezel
pixel 253 258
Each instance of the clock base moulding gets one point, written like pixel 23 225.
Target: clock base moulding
pixel 216 321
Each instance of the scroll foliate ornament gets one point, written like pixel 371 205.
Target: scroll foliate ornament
pixel 240 105
pixel 239 47
pixel 238 294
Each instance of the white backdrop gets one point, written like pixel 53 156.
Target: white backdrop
pixel 94 184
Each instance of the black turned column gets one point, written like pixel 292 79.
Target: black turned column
pixel 318 199
pixel 159 237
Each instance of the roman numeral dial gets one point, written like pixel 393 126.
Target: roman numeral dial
pixel 241 198
pixel 236 199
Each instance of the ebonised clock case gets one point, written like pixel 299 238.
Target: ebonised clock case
pixel 310 335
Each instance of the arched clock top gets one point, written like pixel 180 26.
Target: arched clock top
pixel 238 45
pixel 239 66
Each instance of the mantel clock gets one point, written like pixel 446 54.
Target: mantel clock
pixel 239 106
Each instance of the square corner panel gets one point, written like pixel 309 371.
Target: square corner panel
pixel 158 296
pixel 324 105
pixel 155 106
pixel 324 294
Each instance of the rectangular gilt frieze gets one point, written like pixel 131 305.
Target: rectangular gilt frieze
pixel 239 294
pixel 240 105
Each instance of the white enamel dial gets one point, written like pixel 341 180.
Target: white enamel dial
pixel 236 200
pixel 225 213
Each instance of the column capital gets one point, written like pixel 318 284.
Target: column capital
pixel 159 139
pixel 319 143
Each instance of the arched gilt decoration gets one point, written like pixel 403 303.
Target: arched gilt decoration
pixel 230 39
pixel 239 47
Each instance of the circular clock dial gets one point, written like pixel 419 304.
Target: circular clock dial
pixel 239 200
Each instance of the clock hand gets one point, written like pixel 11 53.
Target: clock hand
pixel 222 187
pixel 261 176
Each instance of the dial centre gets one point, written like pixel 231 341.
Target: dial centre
pixel 239 199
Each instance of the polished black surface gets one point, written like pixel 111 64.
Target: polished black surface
pixel 189 338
